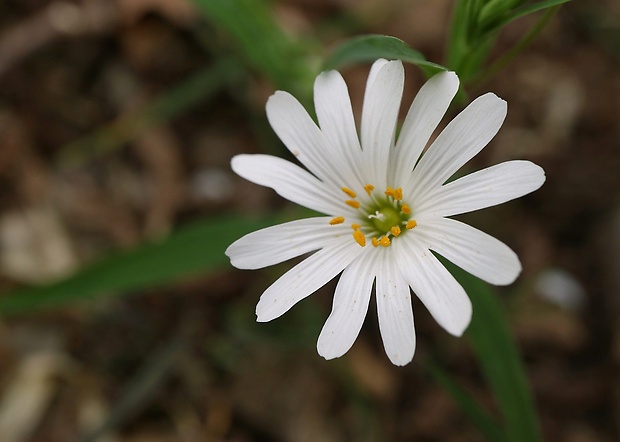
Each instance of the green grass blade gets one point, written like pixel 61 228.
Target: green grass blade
pixel 527 10
pixel 514 51
pixel 197 248
pixel 371 47
pixel 499 359
pixel 196 88
pixel 262 42
pixel 476 414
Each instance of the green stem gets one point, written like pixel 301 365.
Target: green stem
pixel 510 55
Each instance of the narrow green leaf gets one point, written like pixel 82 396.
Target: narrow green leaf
pixel 371 47
pixel 478 416
pixel 514 51
pixel 196 88
pixel 527 10
pixel 194 249
pixel 493 9
pixel 262 42
pixel 458 39
pixel 499 359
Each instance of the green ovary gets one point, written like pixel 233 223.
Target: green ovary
pixel 385 217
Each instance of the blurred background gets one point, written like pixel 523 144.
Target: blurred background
pixel 118 120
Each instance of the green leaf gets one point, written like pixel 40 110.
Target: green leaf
pixel 262 42
pixel 527 10
pixel 371 47
pixel 493 9
pixel 198 248
pixel 476 414
pixel 197 88
pixel 525 41
pixel 499 359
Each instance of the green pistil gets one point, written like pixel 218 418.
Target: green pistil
pixel 384 216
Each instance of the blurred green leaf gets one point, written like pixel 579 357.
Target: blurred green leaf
pixel 494 9
pixel 475 27
pixel 371 47
pixel 499 22
pixel 476 414
pixel 514 51
pixel 198 248
pixel 499 359
pixel 262 42
pixel 196 88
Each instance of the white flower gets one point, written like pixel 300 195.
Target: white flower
pixel 388 206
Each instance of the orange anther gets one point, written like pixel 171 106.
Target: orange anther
pixel 359 238
pixel 349 192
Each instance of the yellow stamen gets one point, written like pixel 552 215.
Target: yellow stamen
pixel 384 241
pixel 353 203
pixel 398 194
pixel 411 224
pixel 369 188
pixel 355 226
pixel 349 192
pixel 337 220
pixel 375 242
pixel 359 238
pixel 405 209
pixel 389 191
pixel 395 230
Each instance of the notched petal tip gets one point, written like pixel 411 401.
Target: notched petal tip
pixel 262 315
pixel 457 328
pixel 327 351
pixel 494 103
pixel 280 103
pixel 449 77
pixel 239 162
pixel 401 360
pixel 536 175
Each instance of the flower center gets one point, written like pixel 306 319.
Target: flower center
pixel 380 218
pixel 385 218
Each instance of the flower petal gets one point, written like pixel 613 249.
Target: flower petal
pixel 379 113
pixel 488 187
pixel 425 113
pixel 349 309
pixel 472 250
pixel 395 312
pixel 289 181
pixel 279 243
pixel 306 277
pixel 442 295
pixel 333 110
pixel 291 122
pixel 374 70
pixel 459 142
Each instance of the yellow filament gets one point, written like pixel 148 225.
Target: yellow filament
pixel 398 194
pixel 359 238
pixel 411 224
pixel 395 230
pixel 405 209
pixel 384 241
pixel 369 188
pixel 337 220
pixel 353 203
pixel 355 226
pixel 389 191
pixel 349 192
pixel 375 242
